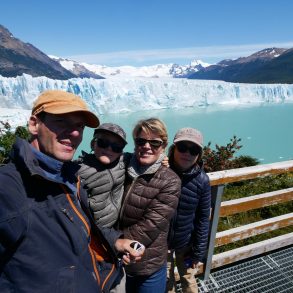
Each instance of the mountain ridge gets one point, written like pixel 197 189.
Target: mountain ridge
pixel 255 68
pixel 17 57
pixel 270 65
pixel 158 70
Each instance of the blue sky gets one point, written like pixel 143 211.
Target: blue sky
pixel 146 32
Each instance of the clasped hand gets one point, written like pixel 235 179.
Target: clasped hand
pixel 130 255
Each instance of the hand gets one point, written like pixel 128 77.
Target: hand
pixel 165 162
pixel 130 255
pixel 196 264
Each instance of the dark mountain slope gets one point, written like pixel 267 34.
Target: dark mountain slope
pixel 278 70
pixel 17 58
pixel 256 68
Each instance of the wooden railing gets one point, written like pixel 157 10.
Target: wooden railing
pixel 222 209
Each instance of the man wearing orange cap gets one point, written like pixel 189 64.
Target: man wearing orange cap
pixel 48 242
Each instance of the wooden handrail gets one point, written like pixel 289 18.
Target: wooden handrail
pixel 248 203
pixel 236 175
pixel 251 250
pixel 226 208
pixel 260 227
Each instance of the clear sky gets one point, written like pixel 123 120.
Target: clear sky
pixel 146 32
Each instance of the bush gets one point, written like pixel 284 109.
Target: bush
pixel 7 139
pixel 223 157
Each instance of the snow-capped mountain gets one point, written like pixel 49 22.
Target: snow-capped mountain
pixel 159 70
pixel 271 65
pixel 76 68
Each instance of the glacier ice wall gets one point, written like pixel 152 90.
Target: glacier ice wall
pixel 117 95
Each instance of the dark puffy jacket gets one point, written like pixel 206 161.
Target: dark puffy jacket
pixel 190 225
pixel 46 240
pixel 149 204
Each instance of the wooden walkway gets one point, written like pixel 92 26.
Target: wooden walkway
pixel 265 266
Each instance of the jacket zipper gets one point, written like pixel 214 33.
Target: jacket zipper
pixel 108 277
pixel 124 200
pixel 111 192
pixel 94 260
pixel 80 216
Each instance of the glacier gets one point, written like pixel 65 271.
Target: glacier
pixel 122 95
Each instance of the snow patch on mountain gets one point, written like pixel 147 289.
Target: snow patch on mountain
pixel 157 71
pixel 76 68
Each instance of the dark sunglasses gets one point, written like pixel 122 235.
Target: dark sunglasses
pixel 104 143
pixel 155 143
pixel 183 148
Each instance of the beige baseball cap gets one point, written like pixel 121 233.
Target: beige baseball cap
pixel 61 102
pixel 189 134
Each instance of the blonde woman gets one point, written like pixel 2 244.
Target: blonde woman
pixel 150 200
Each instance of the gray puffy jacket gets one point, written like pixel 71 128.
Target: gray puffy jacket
pixel 104 185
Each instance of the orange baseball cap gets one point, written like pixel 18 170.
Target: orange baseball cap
pixel 61 102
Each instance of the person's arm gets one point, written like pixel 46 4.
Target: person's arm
pixel 13 217
pixel 202 223
pixel 114 237
pixel 157 214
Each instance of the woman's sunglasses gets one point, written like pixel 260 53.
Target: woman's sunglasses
pixel 104 143
pixel 155 143
pixel 183 148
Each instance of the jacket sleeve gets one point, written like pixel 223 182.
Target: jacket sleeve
pixel 13 216
pixel 157 215
pixel 202 222
pixel 111 235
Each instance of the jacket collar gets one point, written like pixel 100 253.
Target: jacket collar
pixel 193 171
pixel 37 163
pixel 135 169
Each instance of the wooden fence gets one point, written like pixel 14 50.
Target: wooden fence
pixel 222 209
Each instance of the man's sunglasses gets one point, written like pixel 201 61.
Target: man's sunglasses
pixel 155 143
pixel 183 148
pixel 105 143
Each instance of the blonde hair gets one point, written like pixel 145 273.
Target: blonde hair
pixel 151 125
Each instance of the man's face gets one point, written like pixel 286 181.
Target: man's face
pixel 58 136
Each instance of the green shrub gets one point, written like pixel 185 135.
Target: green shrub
pixel 7 138
pixel 223 157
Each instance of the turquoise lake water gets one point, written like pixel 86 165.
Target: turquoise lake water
pixel 265 131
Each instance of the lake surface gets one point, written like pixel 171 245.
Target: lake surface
pixel 265 131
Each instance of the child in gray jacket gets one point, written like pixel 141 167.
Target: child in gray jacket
pixel 103 173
